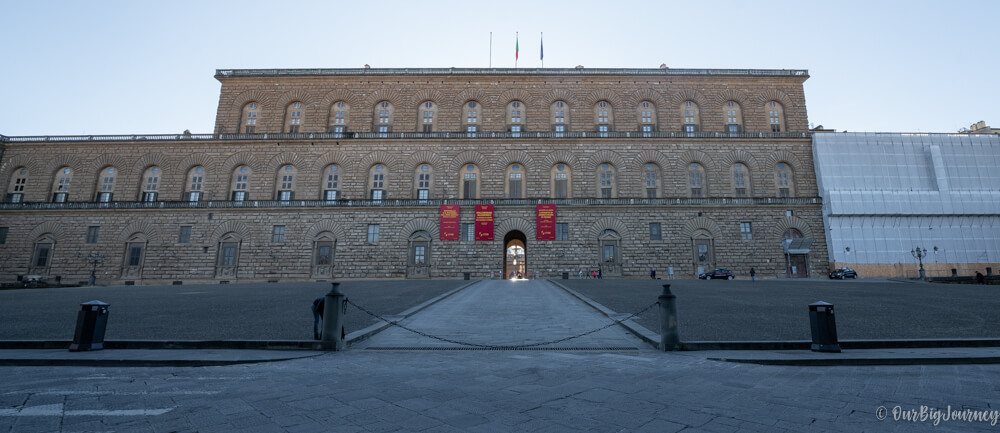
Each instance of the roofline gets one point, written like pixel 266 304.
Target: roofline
pixel 221 74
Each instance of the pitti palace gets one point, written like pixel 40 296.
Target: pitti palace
pixel 316 174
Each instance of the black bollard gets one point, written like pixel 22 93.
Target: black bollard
pixel 334 308
pixel 669 339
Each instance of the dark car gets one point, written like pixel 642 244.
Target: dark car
pixel 843 273
pixel 725 274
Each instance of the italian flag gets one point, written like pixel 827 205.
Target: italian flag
pixel 517 47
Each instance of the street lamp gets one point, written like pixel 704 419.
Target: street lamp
pixel 919 254
pixel 94 259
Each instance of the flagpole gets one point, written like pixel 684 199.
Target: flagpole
pixel 541 48
pixel 491 50
pixel 517 50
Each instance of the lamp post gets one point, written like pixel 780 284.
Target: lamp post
pixel 919 254
pixel 94 259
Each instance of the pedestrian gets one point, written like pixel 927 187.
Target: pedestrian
pixel 599 273
pixel 593 274
pixel 652 273
pixel 317 308
pixel 581 273
pixel 752 273
pixel 980 279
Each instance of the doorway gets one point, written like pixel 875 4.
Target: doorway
pixel 515 255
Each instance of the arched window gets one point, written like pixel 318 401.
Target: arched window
pixel 60 185
pixel 696 178
pixel 427 113
pixel 248 122
pixel 324 246
pixel 515 181
pixel 610 244
pixel 651 177
pixel 338 117
pixel 331 182
pixel 41 257
pixel 240 185
pixel 606 180
pixel 286 183
pixel 422 179
pixel 603 117
pixel 741 180
pixel 561 178
pixel 515 118
pixel 734 117
pixel 15 192
pixel 647 118
pixel 784 180
pixel 776 116
pixel 383 122
pixel 692 119
pixel 227 264
pixel 135 254
pixel 470 118
pixel 106 184
pixel 195 183
pixel 470 181
pixel 418 265
pixel 376 182
pixel 559 118
pixel 293 117
pixel 151 184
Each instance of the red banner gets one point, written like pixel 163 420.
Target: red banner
pixel 449 222
pixel 484 222
pixel 545 222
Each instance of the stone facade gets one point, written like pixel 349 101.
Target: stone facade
pixel 50 211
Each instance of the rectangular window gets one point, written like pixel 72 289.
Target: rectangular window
pixel 746 231
pixel 373 233
pixel 469 187
pixel 470 130
pixel 194 196
pixel 293 129
pixel 696 192
pixel 278 234
pixel 775 127
pixel 59 197
pixel 515 186
pixel 227 256
pixel 784 192
pixel 92 234
pixel 239 195
pixel 423 194
pixel 134 255
pixel 324 254
pixel 104 197
pixel 468 232
pixel 330 194
pixel 427 128
pixel 560 130
pixel 3 235
pixel 418 255
pixel 149 196
pixel 654 232
pixel 562 231
pixel 14 197
pixel 185 235
pixel 42 252
pixel 741 192
pixel 286 195
pixel 609 254
pixel 376 194
pixel 561 185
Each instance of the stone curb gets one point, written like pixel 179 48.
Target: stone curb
pixel 366 333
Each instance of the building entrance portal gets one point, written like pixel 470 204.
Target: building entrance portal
pixel 514 264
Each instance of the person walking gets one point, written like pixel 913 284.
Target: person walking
pixel 652 273
pixel 752 273
pixel 317 308
pixel 599 273
pixel 581 273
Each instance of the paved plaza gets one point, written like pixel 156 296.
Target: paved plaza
pixel 606 381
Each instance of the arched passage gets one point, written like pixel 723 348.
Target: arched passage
pixel 515 254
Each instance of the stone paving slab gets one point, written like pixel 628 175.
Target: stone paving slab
pixel 136 358
pixel 507 313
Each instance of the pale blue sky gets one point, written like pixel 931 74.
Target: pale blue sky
pixel 126 67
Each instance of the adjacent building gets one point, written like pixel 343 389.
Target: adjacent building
pixel 315 174
pixel 887 195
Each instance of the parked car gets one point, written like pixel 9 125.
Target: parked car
pixel 843 273
pixel 725 274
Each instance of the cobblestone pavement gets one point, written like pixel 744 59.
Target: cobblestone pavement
pixel 738 310
pixel 486 391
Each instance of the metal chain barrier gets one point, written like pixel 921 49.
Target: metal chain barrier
pixel 491 346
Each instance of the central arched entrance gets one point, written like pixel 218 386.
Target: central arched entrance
pixel 515 255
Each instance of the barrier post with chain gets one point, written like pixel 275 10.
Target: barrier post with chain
pixel 334 308
pixel 669 339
